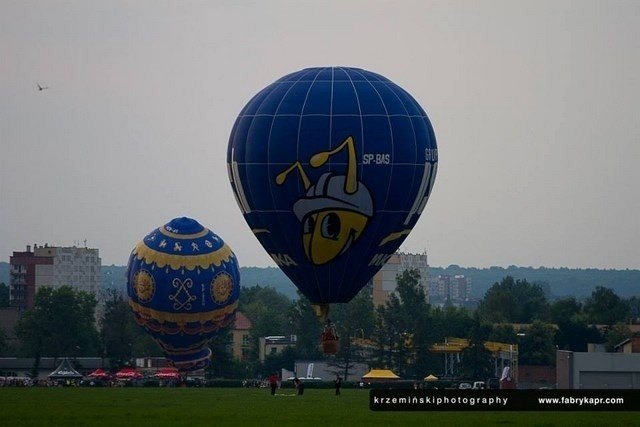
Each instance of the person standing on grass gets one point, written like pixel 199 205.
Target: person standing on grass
pixel 338 383
pixel 273 383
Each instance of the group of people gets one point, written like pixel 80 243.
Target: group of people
pixel 299 385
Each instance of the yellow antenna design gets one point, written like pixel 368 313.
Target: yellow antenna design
pixel 319 159
pixel 283 175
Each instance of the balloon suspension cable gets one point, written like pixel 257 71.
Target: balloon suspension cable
pixel 322 311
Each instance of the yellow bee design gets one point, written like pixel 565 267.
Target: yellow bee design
pixel 335 210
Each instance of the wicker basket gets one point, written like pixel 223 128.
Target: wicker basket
pixel 330 346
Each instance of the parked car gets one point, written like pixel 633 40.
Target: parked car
pixel 465 386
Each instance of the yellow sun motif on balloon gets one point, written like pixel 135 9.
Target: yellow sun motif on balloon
pixel 221 287
pixel 144 285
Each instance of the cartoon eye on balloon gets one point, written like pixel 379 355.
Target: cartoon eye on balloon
pixel 183 283
pixel 331 168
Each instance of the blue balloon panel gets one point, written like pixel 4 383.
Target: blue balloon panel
pixel 183 284
pixel 332 167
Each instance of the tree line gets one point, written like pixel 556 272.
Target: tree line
pixel 398 334
pixel 559 282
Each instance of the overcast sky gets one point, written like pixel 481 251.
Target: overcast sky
pixel 535 106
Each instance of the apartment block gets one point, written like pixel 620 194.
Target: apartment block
pixel 446 289
pixel 383 284
pixel 53 266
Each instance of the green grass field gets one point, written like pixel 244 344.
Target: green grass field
pixel 249 407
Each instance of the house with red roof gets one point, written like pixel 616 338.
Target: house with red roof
pixel 241 336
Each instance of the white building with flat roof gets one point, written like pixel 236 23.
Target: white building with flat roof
pixel 73 266
pixel 54 266
pixel 383 284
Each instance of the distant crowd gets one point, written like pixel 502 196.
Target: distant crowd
pixel 28 382
pixel 254 383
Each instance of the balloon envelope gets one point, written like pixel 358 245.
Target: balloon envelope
pixel 332 167
pixel 183 284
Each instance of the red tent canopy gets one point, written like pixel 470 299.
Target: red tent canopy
pixel 167 373
pixel 99 373
pixel 130 373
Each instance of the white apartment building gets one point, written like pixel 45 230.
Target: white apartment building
pixel 452 289
pixel 383 283
pixel 54 266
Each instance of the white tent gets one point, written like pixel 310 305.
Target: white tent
pixel 65 371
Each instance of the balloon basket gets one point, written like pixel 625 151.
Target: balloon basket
pixel 330 346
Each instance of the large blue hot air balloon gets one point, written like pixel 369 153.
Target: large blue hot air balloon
pixel 332 167
pixel 183 283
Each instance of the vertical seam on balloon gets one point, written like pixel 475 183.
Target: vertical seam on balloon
pixel 347 262
pixel 413 130
pixel 315 78
pixel 428 170
pixel 392 142
pixel 273 86
pixel 250 190
pixel 333 76
pixel 232 147
pixel 391 137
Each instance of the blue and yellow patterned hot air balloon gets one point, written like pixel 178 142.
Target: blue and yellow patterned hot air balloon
pixel 183 283
pixel 332 167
